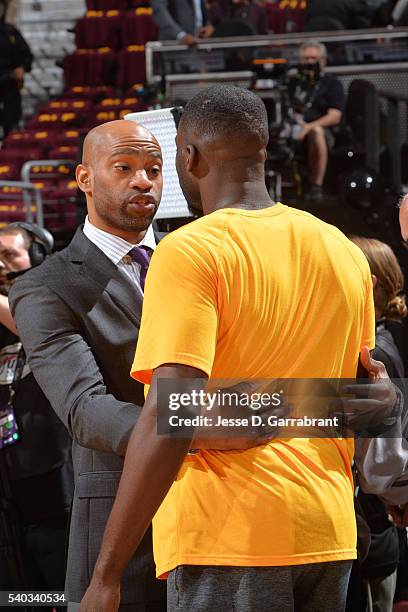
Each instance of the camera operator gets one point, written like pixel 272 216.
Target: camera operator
pixel 323 108
pixel 38 467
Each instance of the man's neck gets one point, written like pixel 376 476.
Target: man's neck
pixel 245 196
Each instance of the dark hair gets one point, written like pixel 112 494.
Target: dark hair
pixel 227 111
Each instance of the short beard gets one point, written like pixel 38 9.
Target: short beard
pixel 124 222
pixel 136 223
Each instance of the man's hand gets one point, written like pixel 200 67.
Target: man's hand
pixel 249 435
pixel 19 73
pixel 206 31
pixel 374 401
pixel 305 129
pixel 100 597
pixel 399 515
pixel 188 39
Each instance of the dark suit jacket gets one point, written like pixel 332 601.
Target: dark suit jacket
pixel 352 14
pixel 175 16
pixel 78 317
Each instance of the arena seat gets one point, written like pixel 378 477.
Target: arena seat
pixel 67 105
pixel 90 93
pixel 90 67
pixel 60 206
pixel 99 29
pixel 19 156
pixel 64 152
pixel 68 138
pixel 133 103
pixel 11 211
pixel 55 120
pixel 106 5
pixel 131 66
pixel 9 172
pixel 138 27
pixel 30 138
pixel 137 3
pixel 286 16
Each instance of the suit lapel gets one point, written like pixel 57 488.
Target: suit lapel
pixel 126 295
pixel 99 269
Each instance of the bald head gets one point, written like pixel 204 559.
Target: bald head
pixel 98 142
pixel 121 176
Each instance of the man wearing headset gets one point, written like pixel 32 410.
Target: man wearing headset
pixel 38 465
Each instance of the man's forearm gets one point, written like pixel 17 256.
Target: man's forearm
pixel 151 465
pixel 328 120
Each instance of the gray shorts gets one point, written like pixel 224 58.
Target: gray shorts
pixel 318 587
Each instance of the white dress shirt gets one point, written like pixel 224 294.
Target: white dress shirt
pixel 117 249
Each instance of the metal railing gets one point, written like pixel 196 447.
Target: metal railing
pixel 30 194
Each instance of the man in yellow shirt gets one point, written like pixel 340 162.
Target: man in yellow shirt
pixel 253 290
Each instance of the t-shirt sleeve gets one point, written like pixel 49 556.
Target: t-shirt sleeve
pixel 180 315
pixel 368 335
pixel 336 97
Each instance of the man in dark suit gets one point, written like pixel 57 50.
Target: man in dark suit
pixel 181 20
pixel 78 315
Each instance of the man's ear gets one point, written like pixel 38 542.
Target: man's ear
pixel 83 178
pixel 191 158
pixel 375 280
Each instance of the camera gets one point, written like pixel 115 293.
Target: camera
pixel 287 90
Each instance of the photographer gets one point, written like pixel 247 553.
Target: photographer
pixel 323 107
pixel 37 469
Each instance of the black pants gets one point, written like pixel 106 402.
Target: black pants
pixel 42 546
pixel 10 106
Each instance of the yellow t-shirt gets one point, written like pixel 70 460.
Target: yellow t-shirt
pixel 258 294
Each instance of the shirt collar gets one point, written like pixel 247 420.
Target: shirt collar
pixel 114 247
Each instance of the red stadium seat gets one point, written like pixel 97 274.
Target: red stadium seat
pixel 12 207
pixel 108 104
pixel 89 67
pixel 19 156
pixel 11 211
pixel 60 206
pixel 29 138
pixel 56 119
pixel 66 105
pixel 90 93
pixel 11 193
pixel 286 16
pixel 102 116
pixel 106 5
pixel 64 152
pixel 137 3
pixel 98 29
pixel 131 66
pixel 119 104
pixel 138 27
pixel 46 172
pixel 9 172
pixel 68 138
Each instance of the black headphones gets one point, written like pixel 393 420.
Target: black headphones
pixel 42 241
